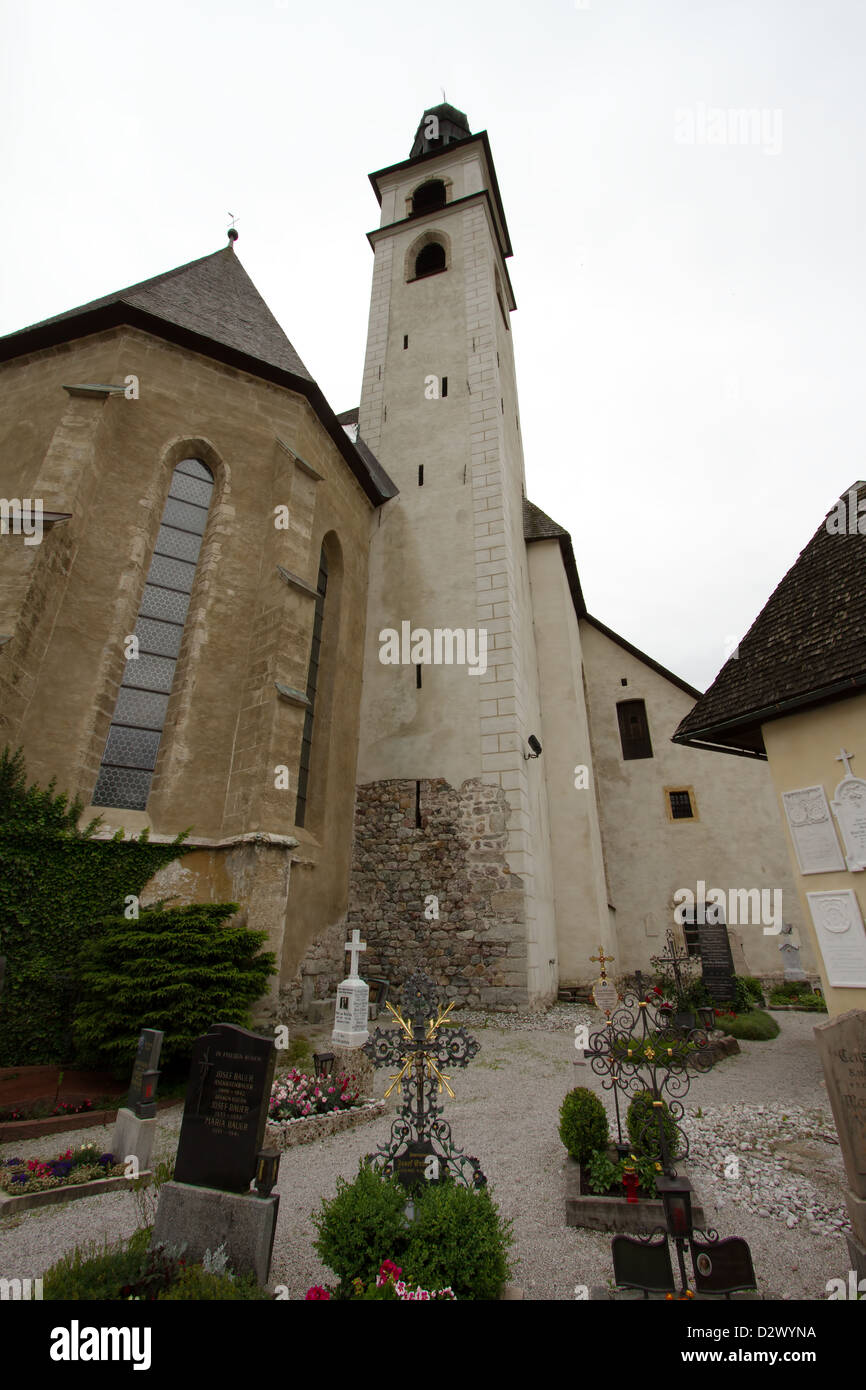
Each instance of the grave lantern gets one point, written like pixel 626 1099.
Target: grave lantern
pixel 323 1063
pixel 267 1169
pixel 708 1017
pixel 676 1195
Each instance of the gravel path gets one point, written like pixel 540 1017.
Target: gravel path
pixel 766 1108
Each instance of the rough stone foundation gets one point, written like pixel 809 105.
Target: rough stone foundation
pixel 453 863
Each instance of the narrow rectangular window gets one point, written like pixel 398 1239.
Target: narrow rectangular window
pixel 634 729
pixel 418 802
pixel 420 475
pixel 444 387
pixel 312 685
pixel 418 677
pixel 405 340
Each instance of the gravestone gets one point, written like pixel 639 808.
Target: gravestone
pixel 842 1048
pixel 642 1265
pixel 226 1108
pixel 209 1203
pixel 418 1163
pixel 605 995
pixel 722 1266
pixel 353 1001
pixel 717 962
pixel 135 1124
pixel 791 961
pixel 849 806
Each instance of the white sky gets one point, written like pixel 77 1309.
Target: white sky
pixel 689 332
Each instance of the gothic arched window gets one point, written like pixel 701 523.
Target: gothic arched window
pixel 430 260
pixel 139 715
pixel 428 197
pixel 312 685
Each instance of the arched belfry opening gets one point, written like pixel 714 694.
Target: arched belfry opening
pixel 430 260
pixel 429 197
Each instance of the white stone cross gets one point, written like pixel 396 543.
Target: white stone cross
pixel 844 758
pixel 355 946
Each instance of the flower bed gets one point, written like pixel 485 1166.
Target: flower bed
pixel 297 1096
pixel 19 1176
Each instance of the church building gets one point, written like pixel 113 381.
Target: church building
pixel 348 651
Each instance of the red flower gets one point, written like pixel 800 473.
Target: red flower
pixel 317 1292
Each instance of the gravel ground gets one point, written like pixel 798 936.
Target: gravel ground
pixel 766 1108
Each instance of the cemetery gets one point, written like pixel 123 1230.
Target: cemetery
pixel 681 1133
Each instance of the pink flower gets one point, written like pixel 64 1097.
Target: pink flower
pixel 317 1292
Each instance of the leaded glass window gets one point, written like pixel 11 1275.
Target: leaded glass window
pixel 139 714
pixel 312 683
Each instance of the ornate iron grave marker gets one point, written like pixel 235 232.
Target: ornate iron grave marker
pixel 420 1147
pixel 638 1050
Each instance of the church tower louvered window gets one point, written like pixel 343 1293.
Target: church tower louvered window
pixel 139 715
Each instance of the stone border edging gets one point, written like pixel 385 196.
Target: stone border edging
pixel 288 1133
pixel 54 1195
pixel 600 1213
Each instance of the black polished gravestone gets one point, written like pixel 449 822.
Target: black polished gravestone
pixel 723 1266
pixel 417 1163
pixel 226 1108
pixel 645 1265
pixel 717 963
pixel 142 1088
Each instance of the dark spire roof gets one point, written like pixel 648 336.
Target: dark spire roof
pixel 212 297
pixel 210 306
pixel 807 646
pixel 453 125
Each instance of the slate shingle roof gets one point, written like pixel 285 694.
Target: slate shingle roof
pixel 210 306
pixel 807 645
pixel 213 297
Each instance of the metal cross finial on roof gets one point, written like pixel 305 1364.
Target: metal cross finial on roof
pixel 232 234
pixel 844 757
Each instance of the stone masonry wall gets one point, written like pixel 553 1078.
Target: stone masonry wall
pixel 476 948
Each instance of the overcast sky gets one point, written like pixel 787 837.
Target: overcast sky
pixel 689 331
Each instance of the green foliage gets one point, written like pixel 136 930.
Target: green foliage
pixel 92 1274
pixel 176 970
pixel 756 1026
pixel 800 994
pixel 362 1226
pixel 602 1173
pixel 744 999
pixel 755 988
pixel 56 883
pixel 643 1127
pixel 583 1125
pixel 194 1282
pixel 457 1237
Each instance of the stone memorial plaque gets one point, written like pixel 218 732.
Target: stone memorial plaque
pixel 604 993
pixel 418 1163
pixel 841 938
pixel 849 805
pixel 722 1266
pixel 641 1264
pixel 717 962
pixel 842 1047
pixel 791 961
pixel 142 1088
pixel 812 833
pixel 226 1108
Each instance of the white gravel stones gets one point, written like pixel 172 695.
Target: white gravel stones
pixel 786 1201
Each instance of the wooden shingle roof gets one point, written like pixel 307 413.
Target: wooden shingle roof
pixel 807 646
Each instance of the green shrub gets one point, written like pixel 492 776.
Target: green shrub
pixel 194 1282
pixel 602 1173
pixel 459 1238
pixel 744 1000
pixel 56 882
pixel 643 1127
pixel 755 988
pixel 93 1274
pixel 583 1126
pixel 756 1026
pixel 362 1226
pixel 176 971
